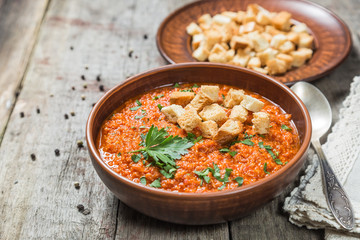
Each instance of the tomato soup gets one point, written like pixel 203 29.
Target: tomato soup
pixel 139 143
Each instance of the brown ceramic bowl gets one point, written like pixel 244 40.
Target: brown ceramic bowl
pixel 199 208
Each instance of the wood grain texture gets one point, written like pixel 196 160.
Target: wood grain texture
pixel 331 37
pixel 37 198
pixel 19 24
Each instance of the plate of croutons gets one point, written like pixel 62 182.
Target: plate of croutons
pixel 291 40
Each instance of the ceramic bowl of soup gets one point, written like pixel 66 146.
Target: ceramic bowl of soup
pixel 198 143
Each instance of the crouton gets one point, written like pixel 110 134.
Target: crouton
pixel 276 66
pixel 239 16
pixel 249 17
pixel 213 112
pixel 299 58
pixel 173 112
pixel 267 55
pixel 249 27
pixel 201 53
pixel 189 120
pixel 181 98
pixel 193 29
pixel 299 28
pixel 254 62
pixel 252 9
pixel 239 42
pixel 212 37
pixel 228 131
pixel 218 54
pixel 267 36
pixel 261 70
pixel 261 121
pixel 278 40
pixel 305 40
pixel 307 52
pixel 221 19
pixel 252 104
pixel 205 21
pixel 208 128
pixel 230 55
pixel 260 43
pixel 271 30
pixel 293 37
pixel 286 58
pixel 287 47
pixel 231 15
pixel 211 91
pixel 240 59
pixel 263 18
pixel 196 40
pixel 233 97
pixel 238 113
pixel 282 21
pixel 199 102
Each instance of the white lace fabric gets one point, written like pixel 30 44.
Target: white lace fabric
pixel 307 203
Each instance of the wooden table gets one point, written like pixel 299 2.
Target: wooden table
pixel 56 59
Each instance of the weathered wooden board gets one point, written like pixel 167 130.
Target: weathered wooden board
pixel 19 25
pixel 93 39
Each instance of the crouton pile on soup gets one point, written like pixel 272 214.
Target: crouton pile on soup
pixel 198 138
pixel 267 42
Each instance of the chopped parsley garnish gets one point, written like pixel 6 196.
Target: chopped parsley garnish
pixel 143 180
pixel 222 186
pixel 142 127
pixel 186 90
pixel 119 154
pixel 164 149
pixel 247 136
pixel 135 108
pixel 224 150
pixel 156 183
pixel 239 180
pixel 286 127
pixel 138 102
pixel 132 127
pixel 192 138
pixel 139 117
pixel 143 112
pixel 262 135
pixel 223 96
pixel 265 168
pixel 268 149
pixel 135 157
pixel 157 97
pixel 203 175
pixel 247 142
pixel 159 106
pixel 233 153
pixel 195 86
pixel 176 85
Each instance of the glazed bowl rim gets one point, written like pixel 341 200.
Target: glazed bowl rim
pixel 183 195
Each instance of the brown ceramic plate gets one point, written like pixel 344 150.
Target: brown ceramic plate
pixel 199 208
pixel 332 39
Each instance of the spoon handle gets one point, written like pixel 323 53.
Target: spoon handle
pixel 336 197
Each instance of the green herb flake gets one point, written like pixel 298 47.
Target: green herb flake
pixel 222 187
pixel 240 181
pixel 192 138
pixel 142 127
pixel 286 162
pixel 247 142
pixel 265 168
pixel 156 183
pixel 277 161
pixel 132 127
pixel 233 153
pixel 135 157
pixel 135 108
pixel 144 162
pixel 164 149
pixel 159 106
pixel 176 85
pixel 224 150
pixel 286 128
pixel 119 154
pixel 247 136
pixel 223 96
pixel 186 90
pixel 195 86
pixel 138 102
pixel 139 117
pixel 143 180
pixel 262 135
pixel 203 175
pixel 157 97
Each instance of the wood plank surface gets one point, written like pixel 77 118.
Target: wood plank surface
pixel 82 46
pixel 19 24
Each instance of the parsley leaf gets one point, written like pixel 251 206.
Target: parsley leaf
pixel 139 117
pixel 159 106
pixel 239 180
pixel 222 187
pixel 135 108
pixel 224 150
pixel 265 168
pixel 195 86
pixel 286 127
pixel 143 180
pixel 135 157
pixel 247 142
pixel 138 103
pixel 119 154
pixel 233 153
pixel 268 149
pixel 247 136
pixel 192 138
pixel 203 175
pixel 176 85
pixel 156 183
pixel 223 96
pixel 164 149
pixel 159 96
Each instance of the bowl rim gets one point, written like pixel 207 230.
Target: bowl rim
pixel 184 195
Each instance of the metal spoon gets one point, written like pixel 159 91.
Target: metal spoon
pixel 320 113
